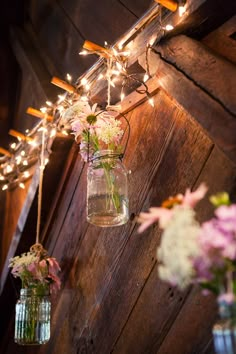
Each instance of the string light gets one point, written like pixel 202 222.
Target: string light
pixel 169 27
pixel 21 185
pixel 115 74
pixel 9 169
pixel 145 77
pixel 68 77
pixel 26 174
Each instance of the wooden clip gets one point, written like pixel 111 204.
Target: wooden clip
pixel 93 47
pixel 169 4
pixel 5 152
pixel 38 114
pixel 63 84
pixel 19 135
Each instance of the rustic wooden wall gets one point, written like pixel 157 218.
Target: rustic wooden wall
pixel 111 299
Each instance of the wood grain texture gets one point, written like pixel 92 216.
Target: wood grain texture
pixel 211 114
pixel 221 40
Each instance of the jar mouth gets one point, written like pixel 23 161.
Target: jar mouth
pixel 101 154
pixel 33 292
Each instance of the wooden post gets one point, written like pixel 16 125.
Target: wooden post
pixel 169 4
pixel 17 134
pixel 5 152
pixel 93 47
pixel 36 113
pixel 63 84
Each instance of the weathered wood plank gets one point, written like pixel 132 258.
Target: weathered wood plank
pixel 93 21
pixel 191 329
pixel 218 123
pixel 26 229
pixel 132 269
pixel 211 73
pixel 96 271
pixel 200 311
pixel 64 42
pixel 221 41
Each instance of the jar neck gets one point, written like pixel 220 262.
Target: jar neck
pixel 27 292
pixel 227 310
pixel 105 155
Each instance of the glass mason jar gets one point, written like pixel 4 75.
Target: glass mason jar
pixel 107 190
pixel 224 331
pixel 32 320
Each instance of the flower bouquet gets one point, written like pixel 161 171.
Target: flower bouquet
pixel 205 254
pixel 38 274
pixel 99 135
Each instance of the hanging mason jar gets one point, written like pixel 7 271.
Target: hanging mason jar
pixel 107 190
pixel 224 330
pixel 32 320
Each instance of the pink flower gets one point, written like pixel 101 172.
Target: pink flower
pixel 53 266
pixel 226 297
pixel 162 215
pixel 55 283
pixel 190 199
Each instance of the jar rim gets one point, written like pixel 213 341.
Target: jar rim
pixel 33 291
pixel 106 153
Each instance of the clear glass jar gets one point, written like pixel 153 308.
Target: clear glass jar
pixel 107 190
pixel 224 330
pixel 32 320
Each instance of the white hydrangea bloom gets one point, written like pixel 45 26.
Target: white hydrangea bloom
pixel 109 130
pixel 24 260
pixel 178 247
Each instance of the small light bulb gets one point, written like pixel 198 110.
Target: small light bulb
pixel 21 185
pixel 49 103
pixel 9 169
pixel 84 52
pixel 87 87
pixel 43 109
pixel 145 77
pixel 151 101
pixel 64 132
pixel 46 161
pixel 84 81
pixel 119 66
pixel 1 177
pixel 19 138
pixel 84 98
pixel 13 145
pixel 18 160
pixel 122 96
pixel 27 131
pixel 26 174
pixel 100 77
pixel 32 143
pixel 60 98
pixel 4 187
pixel 53 133
pixel 182 10
pixel 168 27
pixel 69 77
pixel 25 163
pixel 22 153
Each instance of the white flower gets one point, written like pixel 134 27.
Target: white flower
pixel 24 260
pixel 108 130
pixel 178 247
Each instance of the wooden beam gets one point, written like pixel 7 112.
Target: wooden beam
pixel 202 84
